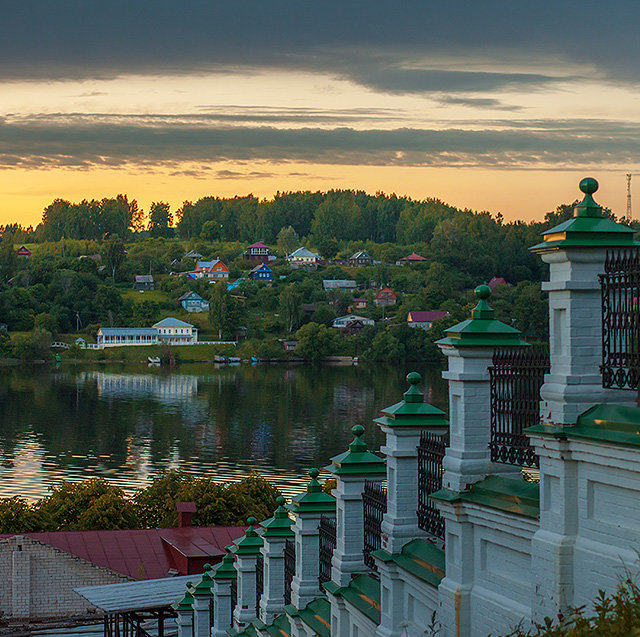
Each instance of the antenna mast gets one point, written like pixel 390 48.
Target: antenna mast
pixel 629 195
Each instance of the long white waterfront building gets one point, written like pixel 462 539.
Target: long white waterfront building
pixel 170 330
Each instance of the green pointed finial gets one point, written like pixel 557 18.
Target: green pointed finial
pixel 280 524
pixel 207 567
pixel 588 207
pixel 226 568
pixel 358 444
pixel 357 460
pixel 314 499
pixel 482 310
pixel 413 394
pixel 251 521
pixel 251 542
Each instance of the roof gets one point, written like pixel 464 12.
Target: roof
pixel 359 300
pixel 121 331
pixel 363 592
pixel 140 553
pixel 426 316
pixel 194 254
pixel 191 295
pixel 207 265
pixel 360 254
pixel 258 244
pixel 338 283
pixel 497 280
pixel 129 596
pixel 172 322
pixel 420 558
pixel 413 257
pixel 261 266
pixel 144 278
pixel 304 252
pixel 385 292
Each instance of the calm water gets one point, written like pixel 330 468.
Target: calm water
pixel 127 423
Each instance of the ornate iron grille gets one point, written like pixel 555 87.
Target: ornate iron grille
pixel 289 568
pixel 211 616
pixel 620 287
pixel 430 455
pixel 327 533
pixel 259 581
pixel 234 594
pixel 374 504
pixel 516 377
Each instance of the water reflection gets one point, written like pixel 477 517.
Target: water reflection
pixel 126 423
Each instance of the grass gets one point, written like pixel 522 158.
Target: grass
pixel 139 353
pixel 157 296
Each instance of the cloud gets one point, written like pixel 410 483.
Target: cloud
pixel 478 102
pixel 77 142
pixel 451 45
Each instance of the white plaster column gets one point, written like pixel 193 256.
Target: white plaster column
pixel 201 598
pixel 392 601
pixel 222 610
pixel 307 509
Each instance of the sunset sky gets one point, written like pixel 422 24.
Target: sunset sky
pixel 496 105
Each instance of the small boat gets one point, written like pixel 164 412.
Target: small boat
pixel 233 359
pixel 154 360
pixel 355 360
pixel 219 359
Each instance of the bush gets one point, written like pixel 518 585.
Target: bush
pixel 18 516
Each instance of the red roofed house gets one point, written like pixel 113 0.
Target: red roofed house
pixel 210 270
pixel 385 297
pixel 23 251
pixel 258 252
pixel 410 258
pixel 425 318
pixel 497 281
pixel 40 570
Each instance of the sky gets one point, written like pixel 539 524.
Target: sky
pixel 498 105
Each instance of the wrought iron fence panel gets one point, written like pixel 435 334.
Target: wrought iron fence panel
pixel 430 455
pixel 289 568
pixel 620 289
pixel 234 594
pixel 516 377
pixel 374 504
pixel 259 581
pixel 327 534
pixel 211 616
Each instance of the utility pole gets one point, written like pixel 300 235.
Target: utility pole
pixel 629 195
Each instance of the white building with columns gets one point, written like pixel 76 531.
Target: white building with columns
pixel 513 551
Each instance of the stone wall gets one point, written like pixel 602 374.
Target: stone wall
pixel 38 580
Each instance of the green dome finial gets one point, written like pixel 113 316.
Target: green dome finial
pixel 207 567
pixel 280 501
pixel 357 430
pixel 413 394
pixel 314 473
pixel 483 292
pixel 413 378
pixel 251 520
pixel 589 185
pixel 358 445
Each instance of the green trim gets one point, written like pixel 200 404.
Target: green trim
pixel 280 524
pixel 419 557
pixel 505 494
pixel 280 627
pixel 482 330
pixel 249 631
pixel 185 605
pixel 251 543
pixel 204 586
pixel 226 568
pixel 357 461
pixel 614 424
pixel 314 499
pixel 316 614
pixel 413 411
pixel 362 592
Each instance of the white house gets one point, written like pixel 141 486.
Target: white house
pixel 303 257
pixel 345 321
pixel 176 332
pixel 170 330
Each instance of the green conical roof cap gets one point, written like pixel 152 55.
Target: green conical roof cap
pixel 186 603
pixel 314 499
pixel 280 524
pixel 357 461
pixel 413 411
pixel 251 543
pixel 482 329
pixel 204 586
pixel 226 568
pixel 588 227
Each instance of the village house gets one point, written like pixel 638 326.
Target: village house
pixel 193 254
pixel 303 257
pixel 23 251
pixel 339 284
pixel 170 330
pixel 211 270
pixel 360 258
pixel 496 281
pixel 385 297
pixel 144 283
pixel 262 272
pixel 193 302
pixel 410 259
pixel 344 321
pixel 424 318
pixel 358 304
pixel 288 345
pixel 258 252
pixel 173 331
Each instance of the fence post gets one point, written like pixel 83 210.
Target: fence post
pixel 224 575
pixel 247 550
pixel 184 608
pixel 308 508
pixel 201 598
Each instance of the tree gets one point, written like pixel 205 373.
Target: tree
pixel 18 516
pixel 114 254
pixel 290 304
pixel 384 348
pixel 8 256
pixel 223 309
pixel 288 239
pixel 160 219
pixel 316 341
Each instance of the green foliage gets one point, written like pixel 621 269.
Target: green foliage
pixel 35 346
pixel 8 256
pixel 316 341
pixel 113 254
pixel 18 516
pixel 384 348
pixel 290 303
pixel 288 240
pixel 224 310
pixel 160 219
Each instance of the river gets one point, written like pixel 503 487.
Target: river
pixel 128 422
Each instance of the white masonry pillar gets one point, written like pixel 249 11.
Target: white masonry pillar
pixel 201 598
pixel 247 550
pixel 184 608
pixel 224 575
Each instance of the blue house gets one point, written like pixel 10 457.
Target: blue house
pixel 193 302
pixel 261 272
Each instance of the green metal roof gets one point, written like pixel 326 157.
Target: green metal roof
pixel 413 411
pixel 357 461
pixel 186 603
pixel 314 499
pixel 226 568
pixel 362 592
pixel 506 494
pixel 251 543
pixel 420 558
pixel 280 524
pixel 614 424
pixel 587 228
pixel 482 329
pixel 316 614
pixel 203 587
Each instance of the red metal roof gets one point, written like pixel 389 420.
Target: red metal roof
pixel 258 244
pixel 385 292
pixel 144 553
pixel 426 316
pixel 413 257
